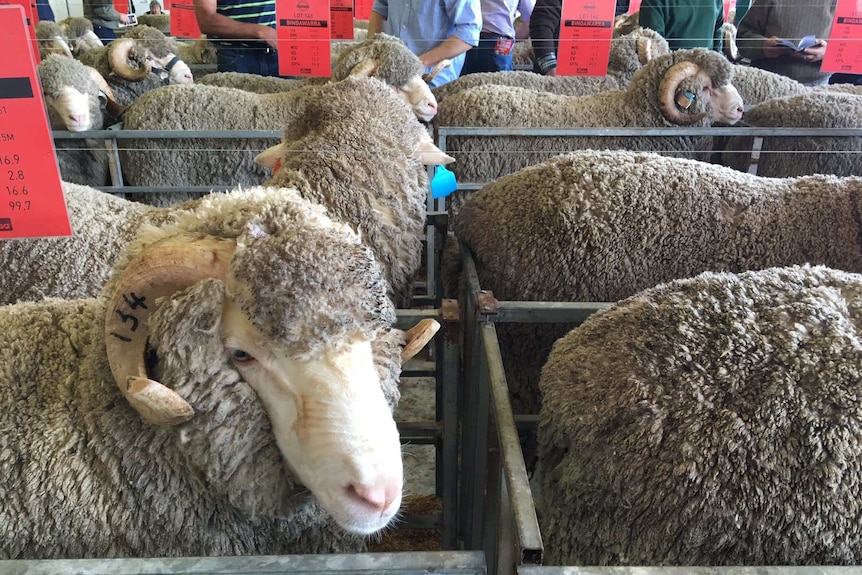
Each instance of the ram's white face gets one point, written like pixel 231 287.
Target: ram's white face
pixel 420 98
pixel 73 107
pixel 180 72
pixel 727 105
pixel 331 422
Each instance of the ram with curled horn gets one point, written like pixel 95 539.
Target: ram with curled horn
pixel 230 394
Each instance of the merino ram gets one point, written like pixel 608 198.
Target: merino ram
pixel 80 34
pixel 628 54
pixel 51 40
pixel 366 169
pixel 200 107
pixel 684 88
pixel 603 225
pixel 708 421
pixel 230 394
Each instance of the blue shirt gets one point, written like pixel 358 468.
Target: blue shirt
pixel 423 25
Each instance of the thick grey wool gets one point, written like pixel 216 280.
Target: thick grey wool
pixel 352 152
pixel 252 82
pixel 483 159
pixel 783 157
pixel 603 225
pixel 709 421
pixel 623 62
pixel 152 39
pixel 76 26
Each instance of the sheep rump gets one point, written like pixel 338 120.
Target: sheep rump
pixel 708 421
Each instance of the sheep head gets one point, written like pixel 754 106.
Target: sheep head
pixel 122 54
pixel 390 60
pixel 294 309
pixel 696 79
pixel 71 94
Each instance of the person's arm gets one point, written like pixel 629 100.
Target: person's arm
pixel 467 18
pixel 750 37
pixel 212 23
pixel 379 15
pixel 742 7
pixel 105 11
pixel 544 31
pixel 652 15
pixel 813 54
pixel 717 36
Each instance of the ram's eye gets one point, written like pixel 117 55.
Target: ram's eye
pixel 239 356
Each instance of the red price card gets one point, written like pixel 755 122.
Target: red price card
pixel 844 47
pixel 184 24
pixel 121 6
pixel 31 196
pixel 31 16
pixel 303 38
pixel 585 37
pixel 363 9
pixel 634 6
pixel 341 17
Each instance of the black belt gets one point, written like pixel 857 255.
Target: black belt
pixel 485 35
pixel 258 46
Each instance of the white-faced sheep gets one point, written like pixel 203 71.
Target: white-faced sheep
pixel 683 88
pixel 51 40
pixel 80 34
pixel 628 55
pixel 199 107
pixel 709 421
pixel 366 170
pixel 798 156
pixel 238 374
pixel 72 98
pixel 603 225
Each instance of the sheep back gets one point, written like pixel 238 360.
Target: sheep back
pixel 709 421
pixel 482 159
pixel 251 82
pixel 757 86
pixel 782 157
pixel 603 225
pixel 160 22
pixel 77 266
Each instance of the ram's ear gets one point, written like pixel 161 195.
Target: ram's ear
pixel 269 158
pixel 431 155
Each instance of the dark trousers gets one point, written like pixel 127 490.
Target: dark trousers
pixel 261 61
pixel 105 34
pixel 483 58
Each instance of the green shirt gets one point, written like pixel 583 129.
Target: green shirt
pixel 685 23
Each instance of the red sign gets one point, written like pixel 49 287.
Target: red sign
pixel 184 24
pixel 844 47
pixel 634 6
pixel 121 6
pixel 363 9
pixel 31 196
pixel 303 37
pixel 341 17
pixel 586 28
pixel 31 15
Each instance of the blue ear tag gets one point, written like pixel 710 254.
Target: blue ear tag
pixel 443 183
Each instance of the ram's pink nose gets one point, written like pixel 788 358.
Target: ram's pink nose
pixel 379 497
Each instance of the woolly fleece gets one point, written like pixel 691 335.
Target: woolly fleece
pixel 483 159
pixel 603 225
pixel 782 157
pixel 623 62
pixel 709 421
pixel 357 161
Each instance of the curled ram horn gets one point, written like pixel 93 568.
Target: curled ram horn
pixel 159 270
pixel 667 93
pixel 118 57
pixel 417 336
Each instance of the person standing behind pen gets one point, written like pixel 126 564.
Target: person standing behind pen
pixel 685 24
pixel 494 52
pixel 104 18
pixel 769 21
pixel 434 31
pixel 243 34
